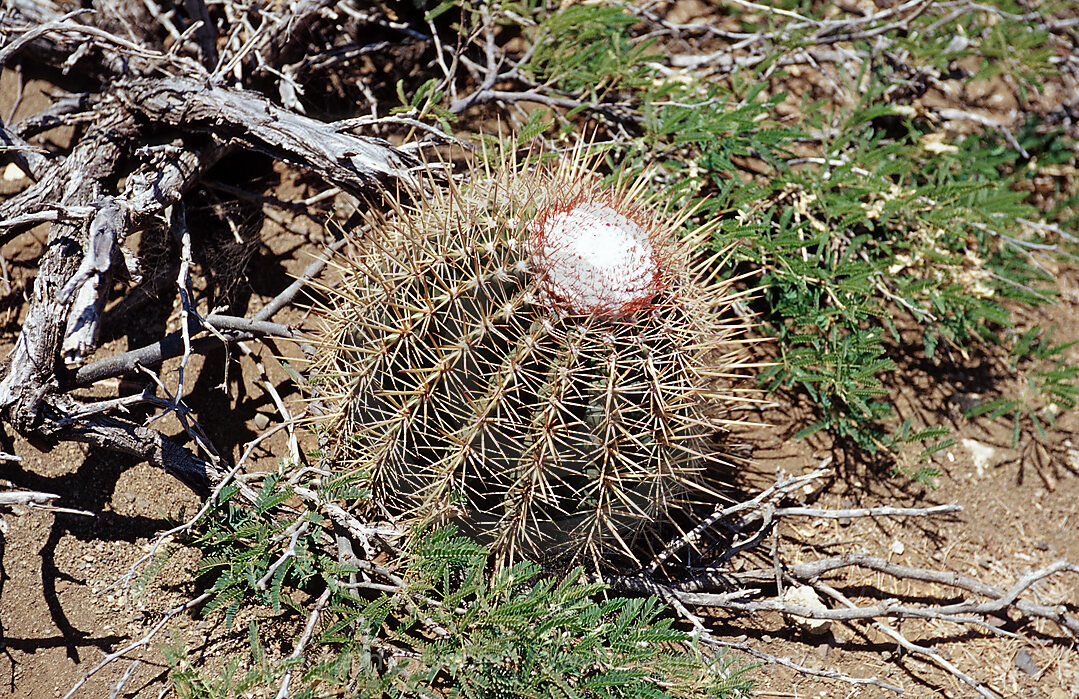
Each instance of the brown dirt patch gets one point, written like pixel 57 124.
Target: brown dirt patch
pixel 60 611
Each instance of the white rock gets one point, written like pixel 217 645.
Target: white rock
pixel 13 173
pixel 980 454
pixel 805 596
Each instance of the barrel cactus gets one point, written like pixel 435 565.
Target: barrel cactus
pixel 537 356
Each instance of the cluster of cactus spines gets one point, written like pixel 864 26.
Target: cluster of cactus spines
pixel 536 356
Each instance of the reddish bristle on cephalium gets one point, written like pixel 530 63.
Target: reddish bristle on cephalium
pixel 596 255
pixel 538 357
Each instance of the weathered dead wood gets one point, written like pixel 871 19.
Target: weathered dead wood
pixel 35 500
pixel 84 291
pixel 34 361
pixel 33 371
pixel 65 110
pixel 65 299
pixel 354 163
pixel 172 345
pixel 125 437
pixel 29 32
pixel 750 591
pixel 146 92
pixel 26 497
pixel 64 42
pixel 29 159
pixel 63 313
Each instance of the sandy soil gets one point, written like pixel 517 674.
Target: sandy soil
pixel 61 610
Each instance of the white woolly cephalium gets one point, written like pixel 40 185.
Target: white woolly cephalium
pixel 592 259
pixel 537 356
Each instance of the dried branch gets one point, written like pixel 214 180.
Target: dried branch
pixel 145 640
pixel 32 33
pixel 867 512
pixel 148 90
pixel 301 643
pixel 30 159
pixel 208 503
pixel 354 163
pixel 799 668
pixel 741 591
pixel 906 644
pixel 231 328
pixel 119 435
pixel 782 487
pixel 83 292
pixel 26 497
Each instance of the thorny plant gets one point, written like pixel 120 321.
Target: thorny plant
pixel 433 617
pixel 865 205
pixel 439 619
pixel 867 209
pixel 801 128
pixel 537 355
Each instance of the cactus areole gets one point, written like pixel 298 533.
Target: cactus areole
pixel 592 259
pixel 537 357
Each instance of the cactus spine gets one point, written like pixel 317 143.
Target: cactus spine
pixel 537 356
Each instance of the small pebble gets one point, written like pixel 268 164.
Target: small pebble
pixel 12 173
pixel 805 596
pixel 1023 662
pixel 845 504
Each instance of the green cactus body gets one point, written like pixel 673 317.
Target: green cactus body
pixel 468 385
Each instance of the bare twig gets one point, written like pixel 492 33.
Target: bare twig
pixel 959 613
pixel 183 283
pixel 784 486
pixel 108 659
pixel 301 643
pixel 906 644
pixel 357 164
pixel 294 531
pixel 85 291
pixel 128 674
pixel 32 33
pixel 799 668
pixel 232 329
pixel 209 503
pixel 26 497
pixel 867 512
pixel 706 637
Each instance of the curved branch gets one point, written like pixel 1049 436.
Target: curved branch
pixel 357 164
